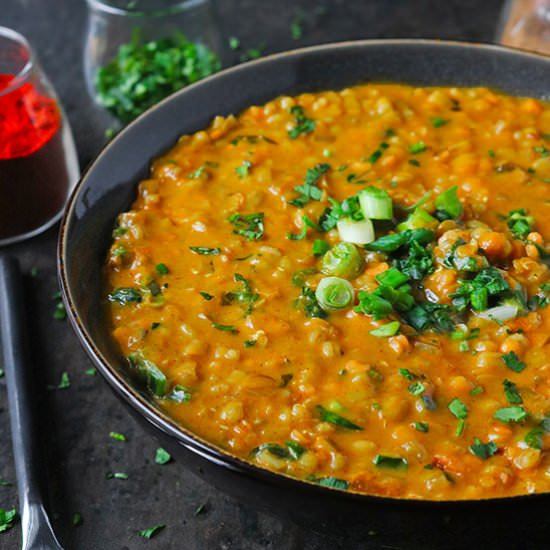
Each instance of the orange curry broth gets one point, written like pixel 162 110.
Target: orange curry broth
pixel 243 397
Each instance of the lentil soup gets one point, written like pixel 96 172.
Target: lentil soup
pixel 351 287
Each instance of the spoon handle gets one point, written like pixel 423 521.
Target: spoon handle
pixel 36 528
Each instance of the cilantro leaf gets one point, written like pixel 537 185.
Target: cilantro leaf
pixel 302 124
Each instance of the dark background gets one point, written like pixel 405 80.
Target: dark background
pixel 77 420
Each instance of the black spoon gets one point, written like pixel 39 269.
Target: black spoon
pixel 36 528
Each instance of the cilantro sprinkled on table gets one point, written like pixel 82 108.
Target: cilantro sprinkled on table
pixel 150 532
pixel 7 519
pixel 162 456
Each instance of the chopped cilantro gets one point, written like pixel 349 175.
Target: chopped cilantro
pixel 162 269
pixel 116 475
pixel 390 462
pixel 250 226
pixel 458 409
pixel 124 296
pixel 141 74
pixel 376 154
pixel 308 190
pixel 296 28
pixel 331 417
pixel 77 519
pixel 422 427
pixel 437 122
pixel 418 147
pixel 243 295
pixel 302 124
pixel 206 296
pixel 162 456
pixel 64 382
pixel 513 362
pixel 151 531
pixel 7 519
pixel 519 223
pixel 249 343
pixel 243 169
pixel 333 483
pixel 225 328
pixel 117 436
pixel 512 393
pixel 511 414
pixel 483 450
pixel 307 301
pixel 205 251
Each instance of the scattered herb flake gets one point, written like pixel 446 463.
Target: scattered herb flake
pixel 206 251
pixel 302 124
pixel 483 450
pixel 151 531
pixel 250 226
pixel 336 419
pixel 513 362
pixel 117 436
pixel 162 456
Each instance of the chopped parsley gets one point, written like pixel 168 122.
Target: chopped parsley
pixel 250 226
pixel 302 124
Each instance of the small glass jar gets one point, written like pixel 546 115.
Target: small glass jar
pixel 525 24
pixel 38 161
pixel 112 23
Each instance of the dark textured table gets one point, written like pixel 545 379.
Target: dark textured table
pixel 76 421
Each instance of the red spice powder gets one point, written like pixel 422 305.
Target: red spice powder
pixel 28 119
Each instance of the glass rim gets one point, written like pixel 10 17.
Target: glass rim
pixel 177 7
pixel 23 74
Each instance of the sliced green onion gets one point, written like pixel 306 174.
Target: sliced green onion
pixel 320 247
pixel 448 202
pixel 387 330
pixel 376 204
pixel 334 293
pixel 499 313
pixel 418 219
pixel 350 231
pixel 343 260
pixel 391 277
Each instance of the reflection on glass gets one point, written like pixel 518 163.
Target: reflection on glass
pixel 38 162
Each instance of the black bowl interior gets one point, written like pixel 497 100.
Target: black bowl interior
pixel 108 187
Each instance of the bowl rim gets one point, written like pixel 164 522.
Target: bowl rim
pixel 155 416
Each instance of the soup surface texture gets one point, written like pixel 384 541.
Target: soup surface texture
pixel 350 287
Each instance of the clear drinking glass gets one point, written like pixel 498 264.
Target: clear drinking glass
pixel 112 23
pixel 38 161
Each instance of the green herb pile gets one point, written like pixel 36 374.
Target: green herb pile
pixel 142 74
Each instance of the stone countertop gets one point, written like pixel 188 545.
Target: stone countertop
pixel 76 421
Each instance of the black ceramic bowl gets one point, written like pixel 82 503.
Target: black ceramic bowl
pixel 109 186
